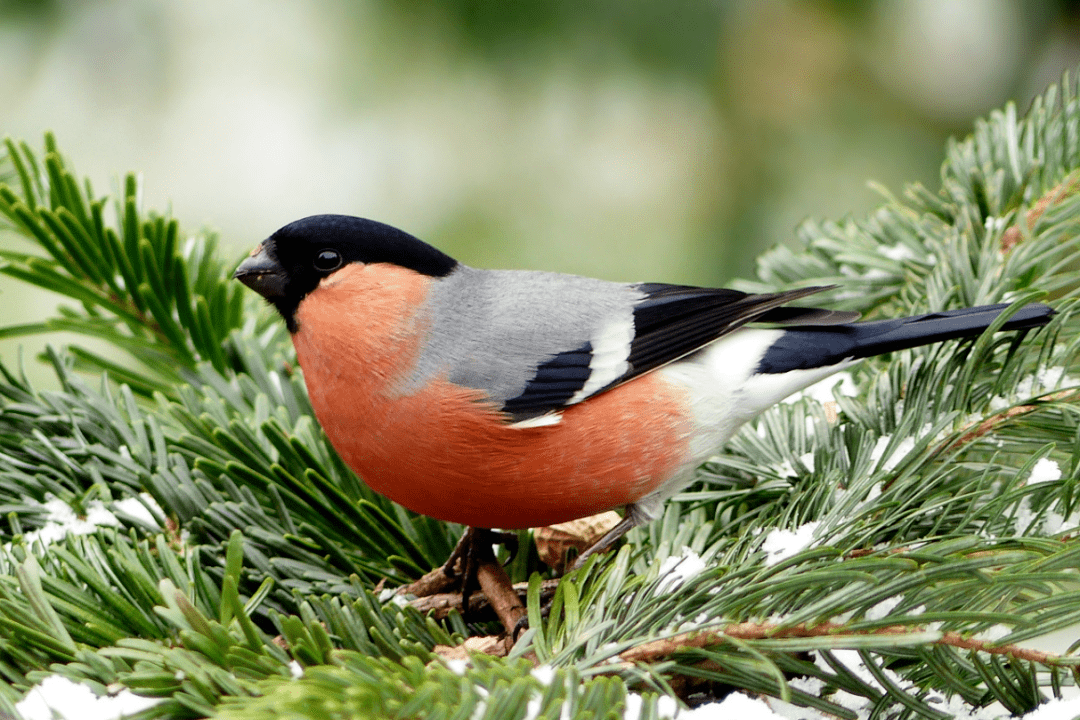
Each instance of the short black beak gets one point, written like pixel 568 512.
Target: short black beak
pixel 263 274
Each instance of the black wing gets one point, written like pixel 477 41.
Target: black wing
pixel 556 381
pixel 670 322
pixel 673 321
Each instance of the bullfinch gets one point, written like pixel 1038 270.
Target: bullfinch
pixel 514 399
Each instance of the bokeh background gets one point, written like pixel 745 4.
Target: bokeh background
pixel 664 140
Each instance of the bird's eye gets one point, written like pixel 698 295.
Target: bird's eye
pixel 327 260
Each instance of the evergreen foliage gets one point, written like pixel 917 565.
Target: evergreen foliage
pixel 241 553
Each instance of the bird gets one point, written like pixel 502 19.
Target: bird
pixel 518 398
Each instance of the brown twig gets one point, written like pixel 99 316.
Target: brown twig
pixel 1013 651
pixel 662 649
pixel 434 582
pixel 977 430
pixel 486 644
pixel 442 603
pixel 499 591
pixel 986 426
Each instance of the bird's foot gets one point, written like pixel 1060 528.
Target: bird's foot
pixel 472 566
pixel 482 571
pixel 448 576
pixel 474 543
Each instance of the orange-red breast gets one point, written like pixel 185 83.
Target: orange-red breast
pixel 510 399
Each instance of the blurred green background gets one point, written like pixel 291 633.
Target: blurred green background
pixel 664 140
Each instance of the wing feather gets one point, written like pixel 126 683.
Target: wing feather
pixel 669 322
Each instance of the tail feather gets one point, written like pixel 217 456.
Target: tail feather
pixel 802 348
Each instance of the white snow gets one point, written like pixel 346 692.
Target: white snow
pixel 884 608
pixel 481 706
pixel 1055 522
pixel 993 633
pixel 741 706
pixel 735 705
pixel 1025 516
pixel 666 707
pixel 458 667
pixel 136 509
pixel 780 544
pixel 677 569
pixel 57 698
pixel 544 674
pixel 1046 470
pixel 532 708
pixel 1039 383
pixel 897 252
pixel 787 470
pixel 60 521
pixel 1054 709
pixel 906 445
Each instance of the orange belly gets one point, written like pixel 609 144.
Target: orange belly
pixel 444 451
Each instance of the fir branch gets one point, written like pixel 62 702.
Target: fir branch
pixel 167 303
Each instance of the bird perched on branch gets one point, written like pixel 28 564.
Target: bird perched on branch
pixel 514 399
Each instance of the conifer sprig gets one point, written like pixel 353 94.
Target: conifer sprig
pixel 139 285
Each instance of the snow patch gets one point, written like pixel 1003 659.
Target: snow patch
pixel 458 667
pixel 1054 709
pixel 544 674
pixel 780 544
pixel 677 569
pixel 993 633
pixel 57 698
pixel 1036 384
pixel 735 705
pixel 883 609
pixel 61 520
pixel 136 508
pixel 899 453
pixel 898 252
pixel 1045 470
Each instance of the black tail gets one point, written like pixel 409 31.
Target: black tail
pixel 801 348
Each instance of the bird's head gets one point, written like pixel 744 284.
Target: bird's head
pixel 292 262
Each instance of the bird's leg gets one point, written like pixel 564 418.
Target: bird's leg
pixel 460 551
pixel 633 518
pixel 466 546
pixel 480 570
pixel 475 539
pixel 443 577
pixel 609 539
